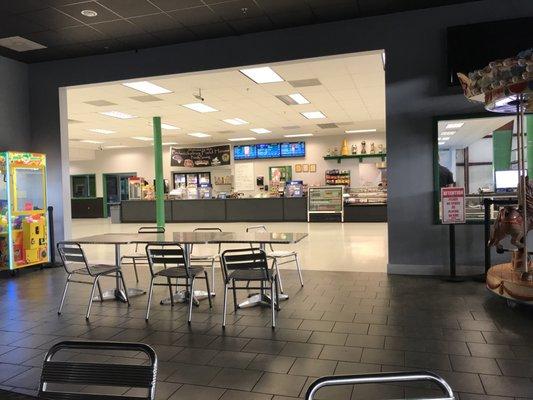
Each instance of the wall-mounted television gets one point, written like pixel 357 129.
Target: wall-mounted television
pixel 263 151
pixel 293 149
pixel 268 150
pixel 245 152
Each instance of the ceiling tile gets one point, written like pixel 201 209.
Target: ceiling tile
pixel 247 25
pixel 155 22
pixel 51 18
pixel 302 17
pixel 170 5
pixel 14 25
pixel 177 35
pixel 130 8
pixel 75 10
pixel 19 6
pixel 81 34
pixel 282 6
pixel 238 9
pixel 118 28
pixel 48 38
pixel 195 16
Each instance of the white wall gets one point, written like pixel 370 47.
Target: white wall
pixel 141 161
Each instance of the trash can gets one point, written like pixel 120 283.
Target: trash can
pixel 114 213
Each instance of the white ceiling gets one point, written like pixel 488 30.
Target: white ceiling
pixel 351 94
pixel 472 130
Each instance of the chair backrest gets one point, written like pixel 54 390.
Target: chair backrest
pixel 259 228
pixel 60 379
pixel 244 259
pixel 161 256
pixel 149 229
pixel 207 229
pixel 72 256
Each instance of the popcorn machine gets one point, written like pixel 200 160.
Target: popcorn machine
pixel 23 218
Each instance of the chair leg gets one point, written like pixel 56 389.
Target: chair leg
pixel 100 293
pixel 278 276
pixel 150 292
pixel 91 298
pixel 208 289
pixel 277 294
pixel 213 275
pixel 235 304
pixel 191 298
pixel 170 291
pixel 273 301
pixel 225 305
pixel 64 295
pixel 124 286
pixel 135 270
pixel 298 269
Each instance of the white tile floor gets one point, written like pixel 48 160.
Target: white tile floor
pixel 329 246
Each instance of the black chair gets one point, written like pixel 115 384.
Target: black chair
pixel 248 265
pixel 66 375
pixel 139 258
pixel 168 261
pixel 75 263
pixel 208 260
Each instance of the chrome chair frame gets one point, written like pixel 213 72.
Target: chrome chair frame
pixel 209 260
pixel 140 259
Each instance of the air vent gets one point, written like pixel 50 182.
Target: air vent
pixel 286 99
pixel 100 103
pixel 226 132
pixel 145 99
pixel 345 123
pixel 20 44
pixel 327 126
pixel 290 127
pixel 305 82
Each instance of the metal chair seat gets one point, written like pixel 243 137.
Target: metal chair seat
pixel 249 275
pixel 175 272
pixel 97 269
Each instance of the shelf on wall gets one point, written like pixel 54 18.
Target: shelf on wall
pixel 383 156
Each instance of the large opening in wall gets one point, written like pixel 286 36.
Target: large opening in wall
pixel 281 132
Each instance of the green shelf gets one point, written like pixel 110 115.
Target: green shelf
pixel 383 156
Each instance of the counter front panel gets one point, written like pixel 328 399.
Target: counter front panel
pixel 254 210
pixel 142 211
pixel 198 210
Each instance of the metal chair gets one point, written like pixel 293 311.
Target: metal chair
pixel 248 265
pixel 70 375
pixel 385 377
pixel 139 258
pixel 169 262
pixel 275 255
pixel 208 260
pixel 75 263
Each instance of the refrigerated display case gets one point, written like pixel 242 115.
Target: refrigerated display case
pixel 365 195
pixel 190 179
pixel 23 218
pixel 325 202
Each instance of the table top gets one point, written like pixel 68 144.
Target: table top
pixel 194 238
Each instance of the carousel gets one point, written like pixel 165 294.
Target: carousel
pixel 506 86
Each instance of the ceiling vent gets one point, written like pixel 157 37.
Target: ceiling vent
pixel 305 83
pixel 20 44
pixel 290 127
pixel 100 103
pixel 327 126
pixel 226 132
pixel 345 123
pixel 145 99
pixel 287 99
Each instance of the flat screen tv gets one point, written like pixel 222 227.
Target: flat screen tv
pixel 268 150
pixel 245 152
pixel 293 149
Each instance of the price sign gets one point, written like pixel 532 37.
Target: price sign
pixel 453 205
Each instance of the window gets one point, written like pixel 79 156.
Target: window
pixel 82 186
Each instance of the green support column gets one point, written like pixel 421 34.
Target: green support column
pixel 159 183
pixel 502 139
pixel 529 130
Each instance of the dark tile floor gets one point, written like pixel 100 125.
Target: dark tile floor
pixel 339 323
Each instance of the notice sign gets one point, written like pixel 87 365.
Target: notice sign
pixel 453 205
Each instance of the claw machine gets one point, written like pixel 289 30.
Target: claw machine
pixel 23 218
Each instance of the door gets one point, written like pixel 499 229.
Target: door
pixel 116 189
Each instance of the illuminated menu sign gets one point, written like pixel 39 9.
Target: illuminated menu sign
pixel 247 152
pixel 268 150
pixel 293 149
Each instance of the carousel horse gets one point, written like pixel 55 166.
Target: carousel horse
pixel 509 222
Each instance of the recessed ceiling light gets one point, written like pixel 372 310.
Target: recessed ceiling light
pixel 91 141
pixel 298 98
pixel 360 130
pixel 103 131
pixel 198 134
pixel 167 126
pixel 143 138
pixel 443 139
pixel 118 114
pixel 147 87
pixel 260 130
pixel 89 13
pixel 455 125
pixel 262 75
pixel 169 143
pixel 235 121
pixel 313 115
pixel 299 135
pixel 448 133
pixel 118 146
pixel 241 139
pixel 200 107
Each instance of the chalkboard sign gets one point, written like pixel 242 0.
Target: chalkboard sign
pixel 200 156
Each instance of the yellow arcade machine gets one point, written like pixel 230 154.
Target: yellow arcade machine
pixel 23 218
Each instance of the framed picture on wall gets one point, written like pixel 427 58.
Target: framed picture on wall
pixel 305 167
pixel 312 167
pixel 298 168
pixel 278 174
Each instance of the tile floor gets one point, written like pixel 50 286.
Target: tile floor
pixel 339 323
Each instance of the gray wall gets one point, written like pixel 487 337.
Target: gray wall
pixel 14 105
pixel 416 92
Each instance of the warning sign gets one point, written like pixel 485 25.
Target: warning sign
pixel 453 205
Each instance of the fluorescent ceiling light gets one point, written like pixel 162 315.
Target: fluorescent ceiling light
pixel 169 143
pixel 298 98
pixel 313 115
pixel 103 131
pixel 241 139
pixel 91 141
pixel 198 134
pixel 262 75
pixel 443 139
pixel 260 130
pixel 200 107
pixel 167 126
pixel 147 87
pixel 143 138
pixel 448 133
pixel 299 135
pixel 441 143
pixel 118 146
pixel 360 130
pixel 118 114
pixel 455 125
pixel 235 121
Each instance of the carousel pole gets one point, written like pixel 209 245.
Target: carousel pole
pixel 522 176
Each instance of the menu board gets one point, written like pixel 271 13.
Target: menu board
pixel 200 156
pixel 293 149
pixel 268 150
pixel 246 152
pixel 244 177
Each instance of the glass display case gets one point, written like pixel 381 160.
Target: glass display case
pixel 336 177
pixel 23 218
pixel 365 195
pixel 325 200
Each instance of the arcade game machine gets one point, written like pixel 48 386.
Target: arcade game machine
pixel 23 218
